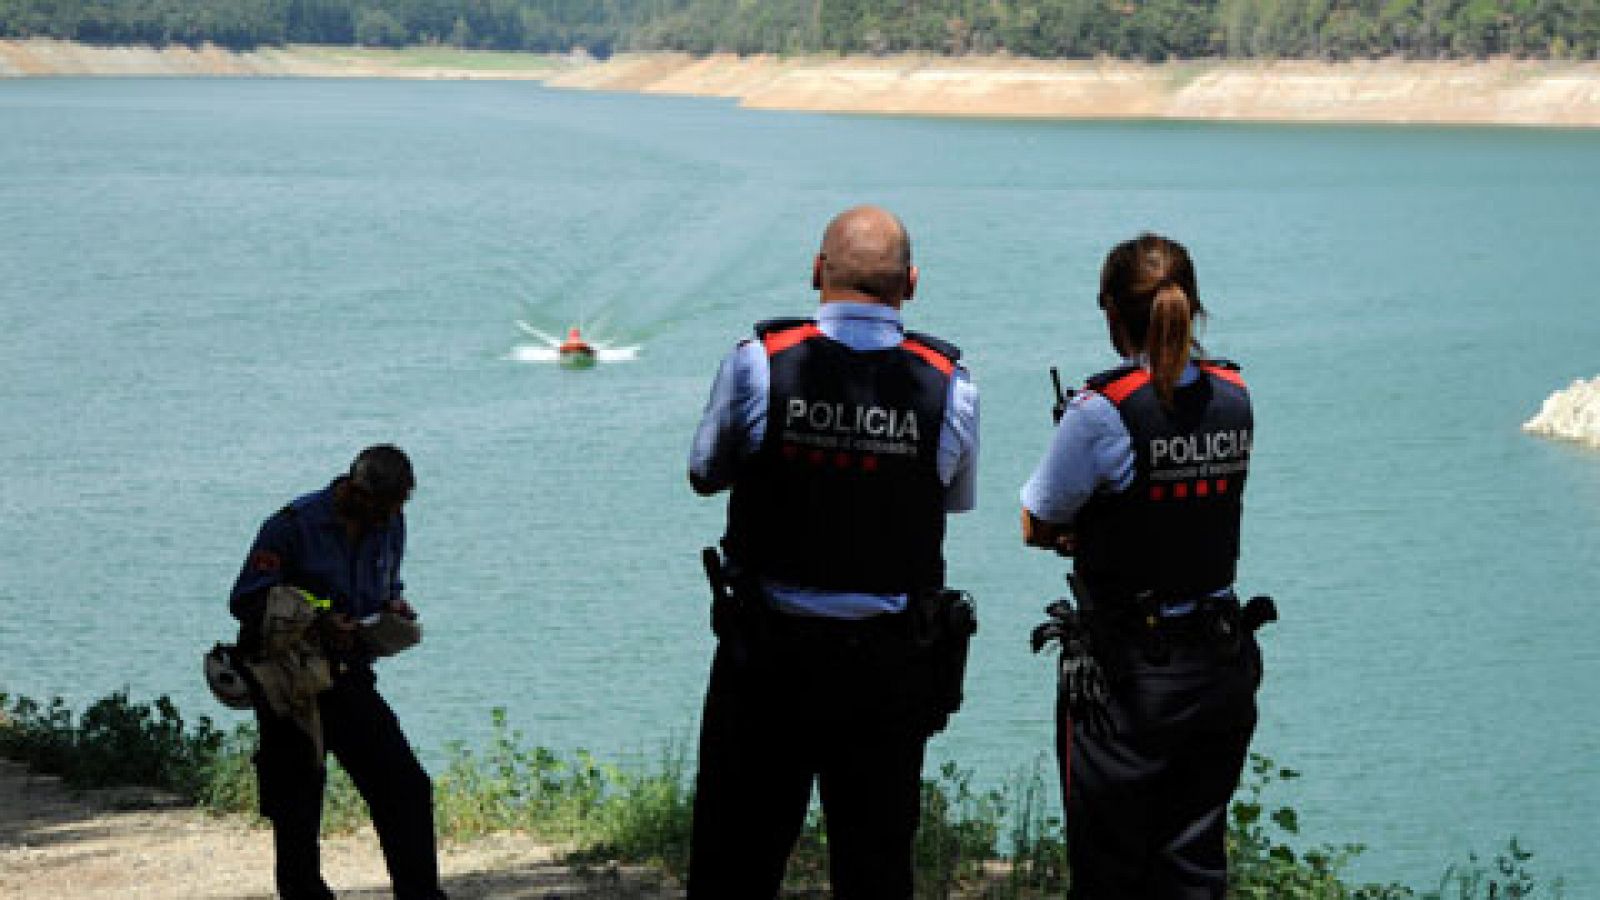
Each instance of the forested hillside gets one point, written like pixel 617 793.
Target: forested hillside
pixel 1131 29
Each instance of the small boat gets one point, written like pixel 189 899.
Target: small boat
pixel 575 352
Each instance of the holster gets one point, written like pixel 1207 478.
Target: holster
pixel 738 618
pixel 943 622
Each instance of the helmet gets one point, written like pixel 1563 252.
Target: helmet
pixel 223 676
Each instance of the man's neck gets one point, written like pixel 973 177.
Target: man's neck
pixel 840 295
pixel 353 528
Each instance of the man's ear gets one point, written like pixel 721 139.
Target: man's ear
pixel 816 273
pixel 911 283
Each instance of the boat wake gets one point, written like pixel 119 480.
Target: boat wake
pixel 1572 414
pixel 546 348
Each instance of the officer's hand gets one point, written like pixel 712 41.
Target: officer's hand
pixel 1065 543
pixel 1036 532
pixel 401 608
pixel 338 630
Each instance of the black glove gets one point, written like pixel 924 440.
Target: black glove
pixel 1081 681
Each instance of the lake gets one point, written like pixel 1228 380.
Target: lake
pixel 213 292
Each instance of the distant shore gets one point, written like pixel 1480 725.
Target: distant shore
pixel 1494 92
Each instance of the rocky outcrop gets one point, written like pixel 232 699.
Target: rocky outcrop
pixel 1572 414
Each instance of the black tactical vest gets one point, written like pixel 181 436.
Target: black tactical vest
pixel 1175 529
pixel 844 493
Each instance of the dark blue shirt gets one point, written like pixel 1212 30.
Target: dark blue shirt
pixel 304 545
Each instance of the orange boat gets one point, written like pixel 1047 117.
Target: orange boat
pixel 575 352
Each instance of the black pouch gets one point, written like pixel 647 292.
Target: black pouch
pixel 738 617
pixel 731 596
pixel 943 623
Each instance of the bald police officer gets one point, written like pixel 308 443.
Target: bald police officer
pixel 845 440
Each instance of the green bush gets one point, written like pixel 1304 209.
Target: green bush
pixel 230 785
pixel 1264 866
pixel 115 742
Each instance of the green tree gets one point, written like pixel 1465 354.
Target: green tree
pixel 378 28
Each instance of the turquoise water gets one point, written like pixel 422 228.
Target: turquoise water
pixel 213 292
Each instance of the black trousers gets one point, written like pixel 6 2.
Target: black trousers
pixel 1147 805
pixel 361 731
pixel 842 705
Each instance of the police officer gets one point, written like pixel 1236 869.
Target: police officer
pixel 845 440
pixel 1142 485
pixel 342 544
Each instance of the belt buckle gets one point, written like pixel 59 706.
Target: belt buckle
pixel 1178 609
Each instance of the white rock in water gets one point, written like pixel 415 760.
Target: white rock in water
pixel 1572 414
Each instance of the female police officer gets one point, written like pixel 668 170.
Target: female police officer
pixel 1141 485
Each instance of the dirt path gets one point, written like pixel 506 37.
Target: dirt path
pixel 56 845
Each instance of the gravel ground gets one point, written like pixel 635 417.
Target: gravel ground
pixel 61 845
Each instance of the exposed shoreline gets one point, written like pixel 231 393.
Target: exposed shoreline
pixel 1495 92
pixel 67 845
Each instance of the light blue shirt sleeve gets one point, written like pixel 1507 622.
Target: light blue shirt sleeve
pixel 735 418
pixel 1090 451
pixel 958 444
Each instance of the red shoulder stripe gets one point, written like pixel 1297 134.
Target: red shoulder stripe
pixel 779 341
pixel 931 356
pixel 1227 375
pixel 1119 390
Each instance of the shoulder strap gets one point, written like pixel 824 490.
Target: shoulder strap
pixel 1225 369
pixel 931 350
pixel 939 345
pixel 778 335
pixel 1119 383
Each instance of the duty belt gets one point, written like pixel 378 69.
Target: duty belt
pixel 1149 619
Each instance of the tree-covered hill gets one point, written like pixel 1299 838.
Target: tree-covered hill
pixel 1131 29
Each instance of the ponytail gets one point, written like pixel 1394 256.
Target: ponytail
pixel 1149 284
pixel 1168 339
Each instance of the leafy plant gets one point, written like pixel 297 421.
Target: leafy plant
pixel 1507 878
pixel 115 742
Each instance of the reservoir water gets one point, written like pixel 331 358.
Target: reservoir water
pixel 213 292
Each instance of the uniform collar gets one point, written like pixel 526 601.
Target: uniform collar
pixel 869 312
pixel 1190 370
pixel 318 509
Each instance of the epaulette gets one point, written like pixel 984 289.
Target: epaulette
pixel 1100 380
pixel 1118 384
pixel 1225 369
pixel 943 347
